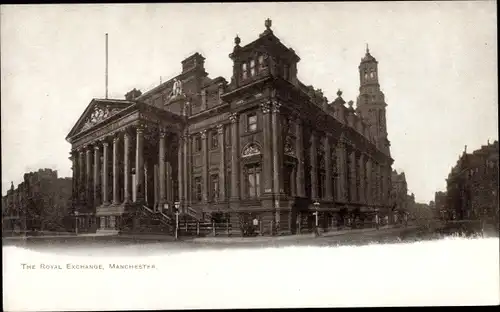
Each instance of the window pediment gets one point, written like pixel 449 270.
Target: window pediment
pixel 251 149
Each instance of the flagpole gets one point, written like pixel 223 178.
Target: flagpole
pixel 106 65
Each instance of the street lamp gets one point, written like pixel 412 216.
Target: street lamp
pixel 76 222
pixel 176 205
pixel 316 214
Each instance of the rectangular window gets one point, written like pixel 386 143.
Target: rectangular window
pixel 253 182
pixel 252 122
pixel 197 190
pixel 197 143
pixel 252 67
pixel 214 140
pixel 261 62
pixel 285 72
pixel 244 71
pixel 214 187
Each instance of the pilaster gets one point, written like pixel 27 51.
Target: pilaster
pixel 267 152
pixel 313 159
pixel 235 196
pixel 328 196
pixel 222 164
pixel 204 151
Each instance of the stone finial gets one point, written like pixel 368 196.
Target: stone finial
pixel 339 93
pixel 237 40
pixel 268 23
pixel 350 103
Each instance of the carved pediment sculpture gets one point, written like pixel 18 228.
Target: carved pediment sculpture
pixel 98 115
pixel 251 150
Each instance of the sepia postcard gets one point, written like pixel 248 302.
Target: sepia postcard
pixel 165 156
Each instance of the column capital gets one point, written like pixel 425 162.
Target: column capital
pixel 265 108
pixel 233 117
pixel 97 146
pixel 203 134
pixel 116 137
pixel 163 132
pixel 276 106
pixel 220 128
pixel 140 128
pixel 105 143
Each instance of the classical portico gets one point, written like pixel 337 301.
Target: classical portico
pixel 119 148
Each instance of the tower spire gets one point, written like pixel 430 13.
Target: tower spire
pixel 367 49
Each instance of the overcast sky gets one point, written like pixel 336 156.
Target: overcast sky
pixel 437 68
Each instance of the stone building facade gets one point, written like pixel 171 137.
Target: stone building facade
pixel 262 146
pixel 472 186
pixel 41 202
pixel 440 199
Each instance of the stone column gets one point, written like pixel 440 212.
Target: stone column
pixel 369 187
pixel 88 167
pixel 353 187
pixel 361 168
pixel 180 182
pixel 267 152
pixel 314 173
pixel 74 169
pixel 82 181
pixel 116 185
pixel 299 150
pixel 204 172
pixel 161 169
pixel 235 196
pixel 341 171
pixel 328 196
pixel 105 183
pixel 139 163
pixel 222 164
pixel 97 174
pixel 127 178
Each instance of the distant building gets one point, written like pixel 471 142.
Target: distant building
pixel 440 199
pixel 39 203
pixel 264 145
pixel 472 185
pixel 400 199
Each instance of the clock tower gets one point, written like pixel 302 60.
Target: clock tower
pixel 371 102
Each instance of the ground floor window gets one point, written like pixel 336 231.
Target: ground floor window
pixel 252 179
pixel 197 189
pixel 214 187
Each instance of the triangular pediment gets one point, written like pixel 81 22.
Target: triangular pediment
pixel 97 112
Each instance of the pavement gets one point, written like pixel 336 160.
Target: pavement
pixel 223 239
